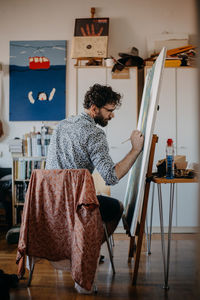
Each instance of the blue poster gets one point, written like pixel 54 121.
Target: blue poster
pixel 37 80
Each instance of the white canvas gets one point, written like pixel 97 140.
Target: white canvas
pixel 137 174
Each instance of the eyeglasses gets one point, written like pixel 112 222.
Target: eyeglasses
pixel 109 110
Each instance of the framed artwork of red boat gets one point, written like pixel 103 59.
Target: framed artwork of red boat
pixel 37 80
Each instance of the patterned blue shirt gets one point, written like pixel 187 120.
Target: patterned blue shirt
pixel 77 143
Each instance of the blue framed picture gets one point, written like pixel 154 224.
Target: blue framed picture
pixel 37 80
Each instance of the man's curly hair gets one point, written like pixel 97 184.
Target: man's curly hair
pixel 100 95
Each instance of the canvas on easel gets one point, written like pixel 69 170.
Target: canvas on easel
pixel 137 174
pixel 90 38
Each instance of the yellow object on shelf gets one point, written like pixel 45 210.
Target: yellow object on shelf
pixel 172 63
pixel 168 63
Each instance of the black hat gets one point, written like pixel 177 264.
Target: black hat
pixel 129 59
pixel 133 52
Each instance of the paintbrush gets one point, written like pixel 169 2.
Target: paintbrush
pixel 125 141
pixel 128 140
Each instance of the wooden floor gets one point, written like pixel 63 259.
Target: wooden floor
pixel 50 284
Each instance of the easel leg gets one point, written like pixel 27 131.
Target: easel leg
pixel 131 248
pixel 144 210
pixel 141 232
pixel 137 260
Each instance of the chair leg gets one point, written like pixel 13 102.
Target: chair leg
pixel 31 269
pixel 109 248
pixel 30 275
pixel 112 241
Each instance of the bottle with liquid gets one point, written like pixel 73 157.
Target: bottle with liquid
pixel 169 159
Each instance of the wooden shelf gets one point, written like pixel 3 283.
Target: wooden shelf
pixel 19 180
pixel 20 185
pixel 29 157
pixel 17 204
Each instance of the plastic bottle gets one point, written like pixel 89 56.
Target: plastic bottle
pixel 169 159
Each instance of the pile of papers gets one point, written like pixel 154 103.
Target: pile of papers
pixel 16 145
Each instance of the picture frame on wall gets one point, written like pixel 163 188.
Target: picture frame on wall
pixel 90 38
pixel 37 80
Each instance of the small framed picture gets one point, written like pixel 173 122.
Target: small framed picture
pixel 90 38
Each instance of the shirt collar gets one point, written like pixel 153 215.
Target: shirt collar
pixel 88 117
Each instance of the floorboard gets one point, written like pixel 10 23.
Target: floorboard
pixel 48 283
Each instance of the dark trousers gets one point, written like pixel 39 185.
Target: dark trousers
pixel 109 208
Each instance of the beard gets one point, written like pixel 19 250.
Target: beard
pixel 101 121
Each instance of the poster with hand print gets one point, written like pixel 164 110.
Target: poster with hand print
pixel 90 38
pixel 37 80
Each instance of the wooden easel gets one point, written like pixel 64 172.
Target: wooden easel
pixel 135 245
pixel 92 61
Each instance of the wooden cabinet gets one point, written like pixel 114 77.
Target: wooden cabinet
pixel 21 173
pixel 125 120
pixel 177 118
pixel 187 143
pixel 165 127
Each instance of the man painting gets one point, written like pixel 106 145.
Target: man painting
pixel 78 143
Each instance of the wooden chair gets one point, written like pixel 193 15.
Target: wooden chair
pixel 45 198
pixel 103 189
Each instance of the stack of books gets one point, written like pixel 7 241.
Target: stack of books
pixel 23 167
pixel 36 144
pixel 33 144
pixel 16 146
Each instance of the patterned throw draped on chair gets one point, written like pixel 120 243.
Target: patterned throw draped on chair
pixel 61 220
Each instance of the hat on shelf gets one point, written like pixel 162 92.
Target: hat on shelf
pixel 128 59
pixel 133 52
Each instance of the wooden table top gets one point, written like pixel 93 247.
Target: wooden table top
pixel 174 180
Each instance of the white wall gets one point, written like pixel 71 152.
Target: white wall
pixel 131 22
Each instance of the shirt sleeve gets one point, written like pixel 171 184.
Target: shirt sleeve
pixel 99 154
